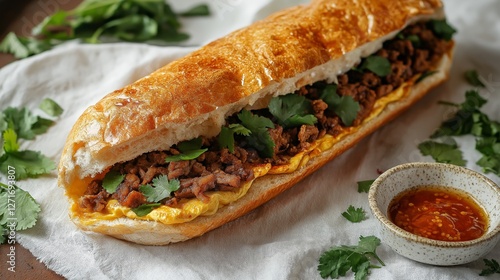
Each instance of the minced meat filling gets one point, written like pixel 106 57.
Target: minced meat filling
pixel 412 52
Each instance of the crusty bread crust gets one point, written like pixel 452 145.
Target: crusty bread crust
pixel 193 95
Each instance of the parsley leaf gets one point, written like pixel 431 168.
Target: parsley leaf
pixel 226 136
pixel 145 209
pixel 162 188
pixel 379 65
pixel 442 152
pixel 10 141
pixel 189 150
pixel 50 107
pixel 355 215
pixel 22 47
pixel 340 259
pixel 112 180
pixel 492 267
pixel 26 125
pixel 364 186
pixel 472 78
pixel 26 208
pixel 442 29
pixel 259 138
pixel 292 110
pixel 343 106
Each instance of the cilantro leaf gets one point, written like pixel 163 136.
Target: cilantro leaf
pixel 226 136
pixel 492 267
pixel 10 141
pixel 364 186
pixel 112 180
pixel 26 208
pixel 28 164
pixel 292 110
pixel 339 260
pixel 343 106
pixel 379 65
pixel 442 29
pixel 472 77
pixel 259 138
pixel 354 215
pixel 442 152
pixel 162 188
pixel 189 150
pixel 145 209
pixel 50 107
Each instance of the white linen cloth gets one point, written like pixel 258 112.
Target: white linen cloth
pixel 284 238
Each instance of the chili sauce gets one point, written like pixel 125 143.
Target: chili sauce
pixel 439 213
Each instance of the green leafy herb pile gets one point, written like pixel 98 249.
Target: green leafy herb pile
pixel 151 21
pixel 15 124
pixel 467 120
pixel 340 259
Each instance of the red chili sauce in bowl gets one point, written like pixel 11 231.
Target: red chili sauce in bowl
pixel 439 213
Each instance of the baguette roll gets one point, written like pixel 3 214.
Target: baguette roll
pixel 195 95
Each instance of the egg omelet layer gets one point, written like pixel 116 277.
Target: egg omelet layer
pixel 189 209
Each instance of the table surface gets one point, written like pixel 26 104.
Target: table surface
pixel 21 16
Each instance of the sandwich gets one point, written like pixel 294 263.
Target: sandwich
pixel 211 136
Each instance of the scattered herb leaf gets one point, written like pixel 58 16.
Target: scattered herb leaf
pixel 343 106
pixel 189 150
pixel 376 64
pixel 354 215
pixel 260 139
pixel 112 180
pixel 364 186
pixel 492 267
pixel 25 213
pixel 200 10
pixel 226 136
pixel 472 78
pixel 292 110
pixel 51 108
pixel 442 152
pixel 340 259
pixel 161 190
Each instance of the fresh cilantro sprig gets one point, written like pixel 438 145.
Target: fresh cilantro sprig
pixel 492 267
pixel 343 106
pixel 226 136
pixel 292 110
pixel 354 215
pixel 25 213
pixel 189 150
pixel 468 120
pixel 340 259
pixel 151 21
pixel 161 188
pixel 259 138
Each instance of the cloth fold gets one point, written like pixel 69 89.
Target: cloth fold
pixel 282 239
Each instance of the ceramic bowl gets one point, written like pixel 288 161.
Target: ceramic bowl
pixel 425 250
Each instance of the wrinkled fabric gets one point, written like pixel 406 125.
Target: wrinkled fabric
pixel 284 238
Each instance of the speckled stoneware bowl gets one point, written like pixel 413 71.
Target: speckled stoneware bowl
pixel 421 249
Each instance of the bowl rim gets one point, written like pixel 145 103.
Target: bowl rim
pixel 377 212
